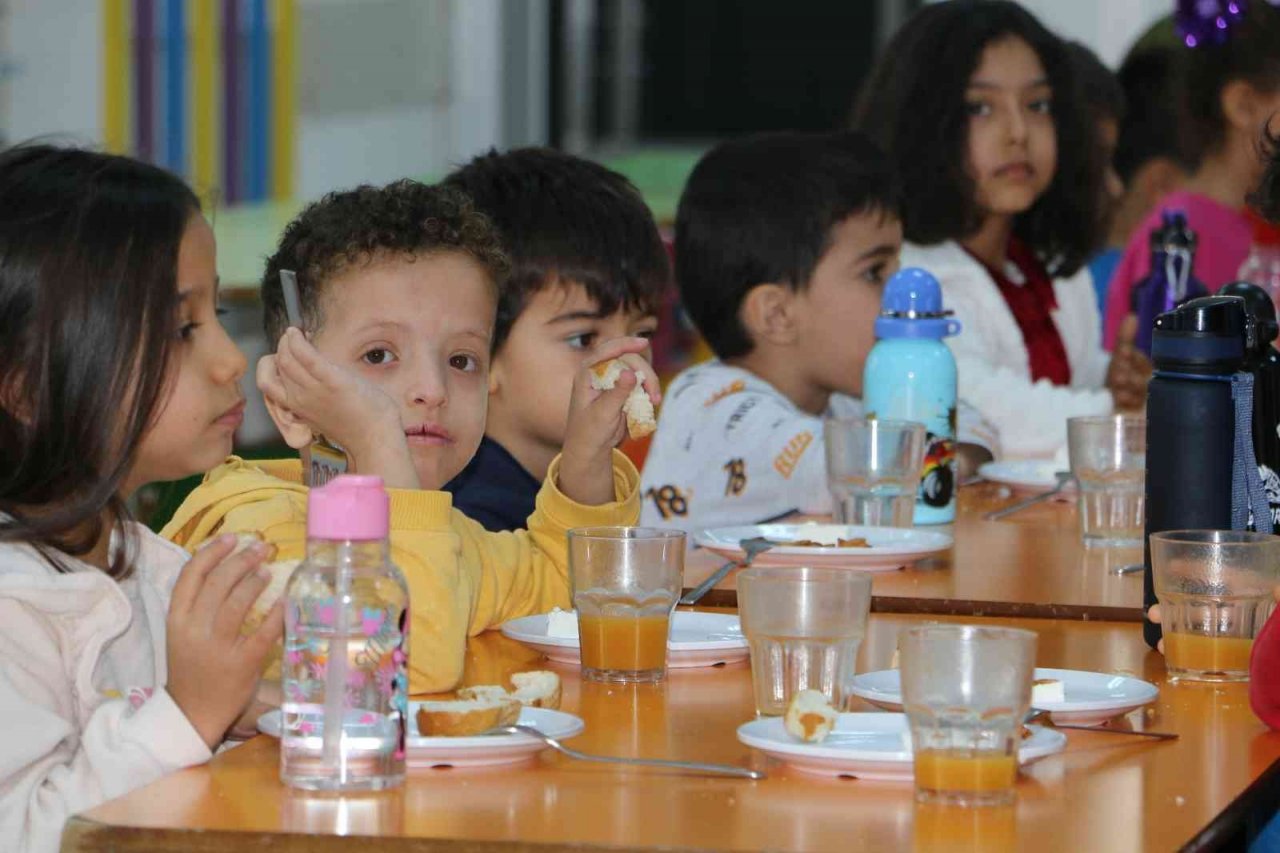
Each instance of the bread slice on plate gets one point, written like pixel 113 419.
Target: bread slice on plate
pixel 641 419
pixel 463 717
pixel 809 717
pixel 538 689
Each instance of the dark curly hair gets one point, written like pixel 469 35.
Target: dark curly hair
pixel 913 105
pixel 368 224
pixel 1266 198
pixel 563 217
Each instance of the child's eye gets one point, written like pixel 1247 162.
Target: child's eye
pixel 647 334
pixel 585 340
pixel 877 273
pixel 378 355
pixel 1042 106
pixel 977 108
pixel 186 332
pixel 464 362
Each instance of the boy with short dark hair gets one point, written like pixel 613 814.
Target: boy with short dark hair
pixel 587 264
pixel 783 245
pixel 398 286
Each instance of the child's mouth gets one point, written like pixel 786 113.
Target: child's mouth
pixel 1015 171
pixel 232 417
pixel 428 434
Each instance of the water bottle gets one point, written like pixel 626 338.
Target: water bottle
pixel 1262 267
pixel 1191 420
pixel 345 668
pixel 911 375
pixel 1264 362
pixel 1170 282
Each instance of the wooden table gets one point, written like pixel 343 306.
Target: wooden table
pixel 1031 564
pixel 1106 792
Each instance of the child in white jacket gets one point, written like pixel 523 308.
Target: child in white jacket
pixel 118 664
pixel 1003 192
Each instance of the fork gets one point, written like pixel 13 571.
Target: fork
pixel 694 766
pixel 750 548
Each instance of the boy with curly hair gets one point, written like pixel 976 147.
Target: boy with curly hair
pixel 398 290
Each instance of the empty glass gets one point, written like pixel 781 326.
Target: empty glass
pixel 804 627
pixel 966 690
pixel 873 469
pixel 1215 591
pixel 1109 462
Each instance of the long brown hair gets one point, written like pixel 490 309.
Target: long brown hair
pixel 88 298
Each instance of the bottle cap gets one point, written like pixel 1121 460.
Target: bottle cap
pixel 351 506
pixel 1174 232
pixel 1260 307
pixel 912 307
pixel 1210 335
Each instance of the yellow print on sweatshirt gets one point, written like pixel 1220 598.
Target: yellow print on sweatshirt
pixel 785 462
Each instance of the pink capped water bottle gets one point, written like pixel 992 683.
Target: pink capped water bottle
pixel 345 669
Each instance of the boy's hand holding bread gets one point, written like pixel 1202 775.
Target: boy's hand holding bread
pixel 600 411
pixel 478 709
pixel 327 399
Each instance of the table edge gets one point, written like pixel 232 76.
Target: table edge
pixel 969 607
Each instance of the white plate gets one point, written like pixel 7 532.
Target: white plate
pixel 1092 698
pixel 697 639
pixel 478 751
pixel 1032 475
pixel 890 547
pixel 868 746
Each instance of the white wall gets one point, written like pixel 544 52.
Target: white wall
pixel 55 51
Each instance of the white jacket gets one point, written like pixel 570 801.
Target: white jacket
pixel 991 356
pixel 67 745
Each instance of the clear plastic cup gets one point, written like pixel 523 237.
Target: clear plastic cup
pixel 1215 591
pixel 1109 462
pixel 966 690
pixel 804 627
pixel 873 469
pixel 626 581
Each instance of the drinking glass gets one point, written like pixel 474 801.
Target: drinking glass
pixel 873 469
pixel 1109 461
pixel 966 690
pixel 625 584
pixel 1215 595
pixel 804 627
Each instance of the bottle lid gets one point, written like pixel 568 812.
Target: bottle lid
pixel 349 507
pixel 912 307
pixel 1174 232
pixel 1260 307
pixel 1210 335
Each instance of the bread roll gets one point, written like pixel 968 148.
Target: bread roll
pixel 537 689
pixel 463 717
pixel 810 717
pixel 638 408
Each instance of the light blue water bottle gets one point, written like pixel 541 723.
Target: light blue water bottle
pixel 911 375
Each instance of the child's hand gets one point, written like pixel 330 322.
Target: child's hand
pixel 1129 371
pixel 1153 616
pixel 337 403
pixel 597 424
pixel 213 671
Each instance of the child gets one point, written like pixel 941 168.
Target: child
pixel 398 291
pixel 117 664
pixel 783 244
pixel 975 103
pixel 587 265
pixel 1230 90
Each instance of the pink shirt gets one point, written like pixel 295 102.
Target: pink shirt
pixel 1224 237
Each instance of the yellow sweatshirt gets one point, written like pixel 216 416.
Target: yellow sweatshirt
pixel 462 578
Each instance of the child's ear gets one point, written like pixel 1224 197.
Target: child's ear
pixel 295 433
pixel 768 313
pixel 1242 105
pixel 496 375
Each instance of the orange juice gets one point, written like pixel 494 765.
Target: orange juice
pixel 962 770
pixel 1199 653
pixel 628 643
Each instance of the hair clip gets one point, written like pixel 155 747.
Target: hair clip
pixel 1200 22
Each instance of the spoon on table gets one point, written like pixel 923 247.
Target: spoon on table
pixel 1063 478
pixel 750 549
pixel 1036 714
pixel 692 766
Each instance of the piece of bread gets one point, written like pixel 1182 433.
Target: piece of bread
pixel 280 571
pixel 810 717
pixel 638 408
pixel 462 717
pixel 537 689
pixel 483 693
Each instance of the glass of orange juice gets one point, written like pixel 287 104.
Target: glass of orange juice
pixel 1214 588
pixel 966 690
pixel 625 584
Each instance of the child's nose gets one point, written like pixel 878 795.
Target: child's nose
pixel 229 363
pixel 426 386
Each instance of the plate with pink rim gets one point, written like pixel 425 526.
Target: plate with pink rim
pixel 473 751
pixel 697 639
pixel 886 548
pixel 873 746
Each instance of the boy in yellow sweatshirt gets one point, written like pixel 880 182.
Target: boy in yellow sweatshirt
pixel 398 287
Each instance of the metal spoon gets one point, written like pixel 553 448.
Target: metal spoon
pixel 1063 477
pixel 695 766
pixel 750 548
pixel 1036 714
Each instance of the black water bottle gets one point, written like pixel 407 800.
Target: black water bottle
pixel 1196 348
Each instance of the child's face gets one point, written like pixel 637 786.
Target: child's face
pixel 420 330
pixel 1013 147
pixel 837 312
pixel 198 416
pixel 533 370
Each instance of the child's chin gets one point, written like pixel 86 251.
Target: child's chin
pixel 433 468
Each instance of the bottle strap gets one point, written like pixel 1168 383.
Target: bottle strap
pixel 1249 505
